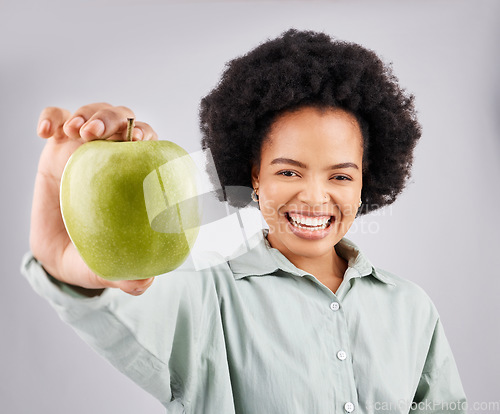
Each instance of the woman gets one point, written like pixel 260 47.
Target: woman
pixel 302 322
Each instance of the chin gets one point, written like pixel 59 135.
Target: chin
pixel 310 251
pixel 303 242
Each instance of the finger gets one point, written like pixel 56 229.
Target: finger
pixel 81 116
pixel 148 134
pixel 137 135
pixel 106 123
pixel 51 121
pixel 135 287
pixel 141 132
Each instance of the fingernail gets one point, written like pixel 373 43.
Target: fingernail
pixel 137 134
pixel 76 122
pixel 44 127
pixel 95 127
pixel 139 291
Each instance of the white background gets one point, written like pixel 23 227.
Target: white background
pixel 160 58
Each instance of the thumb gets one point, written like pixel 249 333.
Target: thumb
pixel 134 287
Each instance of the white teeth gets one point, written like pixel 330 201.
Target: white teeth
pixel 309 227
pixel 309 223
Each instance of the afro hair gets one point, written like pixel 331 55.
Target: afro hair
pixel 306 68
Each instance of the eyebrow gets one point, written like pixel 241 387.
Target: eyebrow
pixel 302 165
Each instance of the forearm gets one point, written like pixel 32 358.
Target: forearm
pixel 90 293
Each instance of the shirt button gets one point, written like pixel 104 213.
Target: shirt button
pixel 341 355
pixel 349 407
pixel 334 306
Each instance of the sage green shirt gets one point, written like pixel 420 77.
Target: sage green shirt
pixel 256 335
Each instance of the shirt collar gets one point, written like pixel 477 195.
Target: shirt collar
pixel 262 259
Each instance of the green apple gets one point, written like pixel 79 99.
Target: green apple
pixel 130 208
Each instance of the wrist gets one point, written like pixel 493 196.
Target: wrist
pixel 89 293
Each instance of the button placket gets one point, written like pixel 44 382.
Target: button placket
pixel 345 372
pixel 349 407
pixel 334 306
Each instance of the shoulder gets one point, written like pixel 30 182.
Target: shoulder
pixel 407 293
pixel 208 265
pixel 396 292
pixel 201 278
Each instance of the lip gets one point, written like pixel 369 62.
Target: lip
pixel 310 234
pixel 310 213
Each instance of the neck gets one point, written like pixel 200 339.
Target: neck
pixel 329 268
pixel 324 268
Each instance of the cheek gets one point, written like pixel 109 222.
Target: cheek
pixel 272 199
pixel 272 195
pixel 350 209
pixel 348 202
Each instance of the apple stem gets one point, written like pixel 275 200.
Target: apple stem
pixel 130 128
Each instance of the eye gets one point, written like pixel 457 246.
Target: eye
pixel 342 178
pixel 287 173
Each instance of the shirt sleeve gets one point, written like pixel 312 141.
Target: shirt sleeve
pixel 439 390
pixel 151 338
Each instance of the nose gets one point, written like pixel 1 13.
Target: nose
pixel 313 193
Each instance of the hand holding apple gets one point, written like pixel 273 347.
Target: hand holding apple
pixel 65 132
pixel 130 208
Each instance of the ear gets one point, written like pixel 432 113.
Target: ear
pixel 255 176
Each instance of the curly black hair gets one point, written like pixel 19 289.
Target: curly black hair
pixel 306 68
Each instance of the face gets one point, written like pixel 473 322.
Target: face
pixel 309 180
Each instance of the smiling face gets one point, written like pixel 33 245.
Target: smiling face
pixel 309 180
